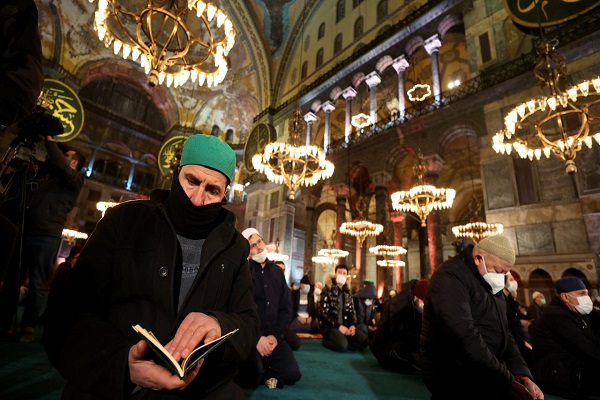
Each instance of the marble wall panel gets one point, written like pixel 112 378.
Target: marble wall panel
pixel 535 239
pixel 555 184
pixel 570 236
pixel 498 184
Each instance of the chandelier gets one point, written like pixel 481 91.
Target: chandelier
pixel 293 164
pixel 422 199
pixel 333 253
pixel 387 251
pixel 72 235
pixel 102 206
pixel 173 41
pixel 476 229
pixel 361 227
pixel 361 120
pixel 558 123
pixel 419 92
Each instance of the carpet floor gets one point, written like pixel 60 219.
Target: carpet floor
pixel 26 374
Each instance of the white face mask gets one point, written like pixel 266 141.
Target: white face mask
pixel 340 279
pixel 494 279
pixel 305 289
pixel 368 302
pixel 260 257
pixel 420 307
pixel 318 291
pixel 585 305
pixel 513 286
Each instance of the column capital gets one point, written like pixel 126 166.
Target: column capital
pixel 433 164
pixel 349 93
pixel 327 106
pixel 381 178
pixel 309 117
pixel 373 79
pixel 432 44
pixel 397 216
pixel 400 64
pixel 341 190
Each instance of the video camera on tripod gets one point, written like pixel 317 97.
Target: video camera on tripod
pixel 21 152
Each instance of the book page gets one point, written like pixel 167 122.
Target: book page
pixel 200 352
pixel 160 350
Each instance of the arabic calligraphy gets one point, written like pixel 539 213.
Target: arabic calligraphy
pixel 542 13
pixel 65 105
pixel 170 153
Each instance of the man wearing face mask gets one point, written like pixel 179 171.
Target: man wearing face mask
pixel 567 352
pixel 515 325
pixel 273 362
pixel 536 309
pixel 338 316
pixel 366 315
pixel 305 310
pixel 174 264
pixel 467 350
pixel 396 341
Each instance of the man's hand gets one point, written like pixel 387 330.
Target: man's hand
pixel 266 345
pixel 344 330
pixel 351 330
pixel 532 388
pixel 146 373
pixel 195 328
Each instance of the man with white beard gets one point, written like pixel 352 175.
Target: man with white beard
pixel 273 362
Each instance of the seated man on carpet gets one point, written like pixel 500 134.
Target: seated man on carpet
pixel 366 312
pixel 305 312
pixel 273 362
pixel 338 317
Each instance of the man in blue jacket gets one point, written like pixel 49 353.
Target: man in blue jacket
pixel 175 265
pixel 273 362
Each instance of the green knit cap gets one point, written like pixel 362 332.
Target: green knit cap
pixel 209 151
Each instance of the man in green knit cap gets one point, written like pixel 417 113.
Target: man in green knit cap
pixel 174 264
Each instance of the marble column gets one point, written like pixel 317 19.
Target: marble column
pixel 311 219
pixel 400 65
pixel 286 236
pixel 373 79
pixel 380 180
pixel 349 93
pixel 433 165
pixel 327 109
pixel 342 191
pixel 397 218
pixel 309 118
pixel 432 46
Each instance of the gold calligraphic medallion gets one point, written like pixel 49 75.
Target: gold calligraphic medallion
pixel 63 103
pixel 256 142
pixel 169 154
pixel 542 13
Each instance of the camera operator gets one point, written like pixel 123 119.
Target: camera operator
pixel 45 218
pixel 21 76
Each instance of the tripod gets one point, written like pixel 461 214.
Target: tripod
pixel 13 174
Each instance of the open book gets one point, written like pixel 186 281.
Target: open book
pixel 180 369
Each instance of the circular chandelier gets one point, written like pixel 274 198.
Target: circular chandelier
pixel 419 92
pixel 387 251
pixel 102 206
pixel 333 253
pixel 391 263
pixel 361 120
pixel 558 123
pixel 476 229
pixel 273 253
pixel 72 235
pixel 422 199
pixel 361 229
pixel 174 41
pixel 293 164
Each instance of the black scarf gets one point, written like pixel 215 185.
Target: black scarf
pixel 190 221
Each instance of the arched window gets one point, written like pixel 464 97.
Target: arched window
pixel 356 3
pixel 337 45
pixel 382 10
pixel 321 30
pixel 340 10
pixel 319 58
pixel 304 72
pixel 358 28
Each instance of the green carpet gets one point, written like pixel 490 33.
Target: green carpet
pixel 26 374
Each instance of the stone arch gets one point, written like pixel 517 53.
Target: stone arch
pixel 448 23
pixel 539 279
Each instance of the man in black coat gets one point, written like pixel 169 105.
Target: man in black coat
pixel 566 350
pixel 467 350
pixel 273 362
pixel 396 341
pixel 175 265
pixel 305 315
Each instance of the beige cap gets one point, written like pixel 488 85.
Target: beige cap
pixel 535 295
pixel 499 246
